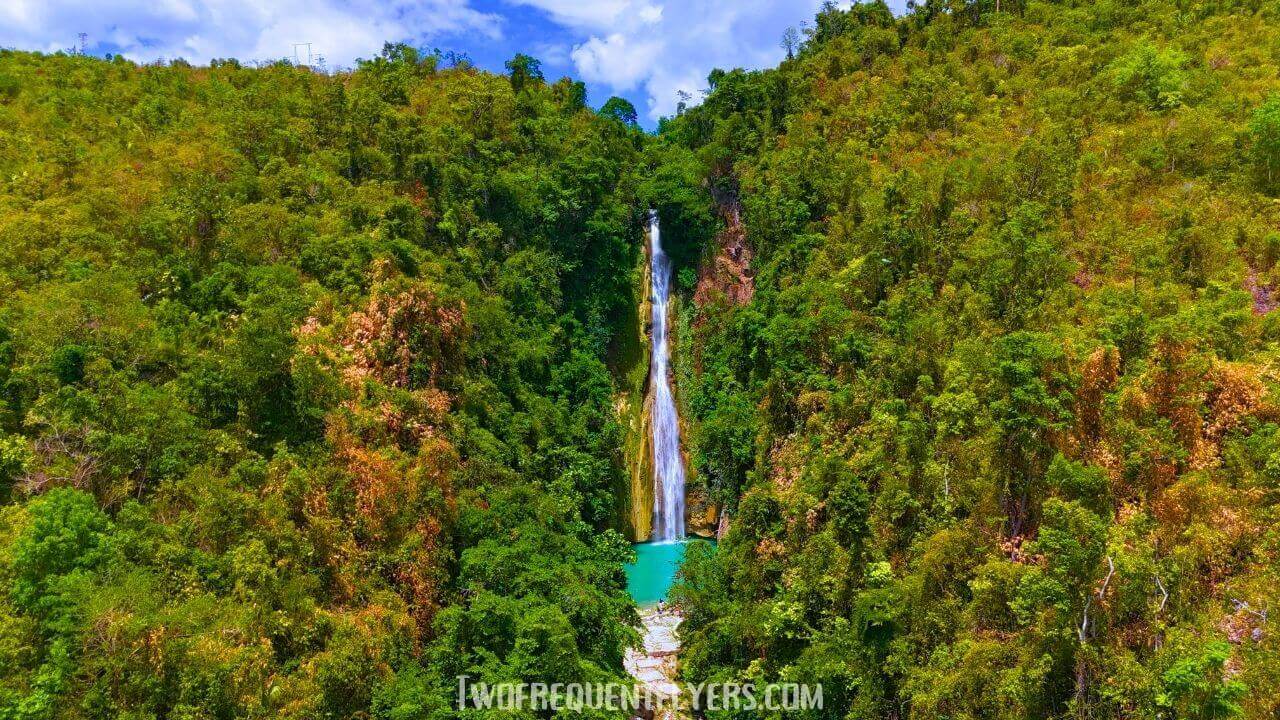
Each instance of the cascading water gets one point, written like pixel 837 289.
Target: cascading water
pixel 668 465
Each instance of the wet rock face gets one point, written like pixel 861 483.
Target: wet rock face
pixel 729 273
pixel 634 407
pixel 641 469
pixel 703 514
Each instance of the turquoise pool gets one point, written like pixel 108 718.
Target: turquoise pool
pixel 650 576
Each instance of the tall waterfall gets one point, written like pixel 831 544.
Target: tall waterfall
pixel 668 465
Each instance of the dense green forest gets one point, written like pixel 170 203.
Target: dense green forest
pixel 305 405
pixel 309 383
pixel 995 417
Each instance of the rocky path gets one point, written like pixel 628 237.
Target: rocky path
pixel 655 666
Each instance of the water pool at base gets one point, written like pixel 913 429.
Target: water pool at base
pixel 650 576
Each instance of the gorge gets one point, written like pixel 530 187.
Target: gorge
pixel 956 330
pixel 650 577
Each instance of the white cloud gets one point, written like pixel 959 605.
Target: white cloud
pixel 554 54
pixel 579 14
pixel 658 48
pixel 618 61
pixel 669 47
pixel 200 30
pixel 650 14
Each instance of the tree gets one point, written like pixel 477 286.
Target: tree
pixel 725 445
pixel 15 457
pixel 682 101
pixel 1195 686
pixel 522 70
pixel 790 41
pixel 620 109
pixel 1031 404
pixel 68 534
pixel 1151 75
pixel 1264 130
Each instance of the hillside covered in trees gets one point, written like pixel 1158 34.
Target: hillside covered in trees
pixel 309 384
pixel 304 404
pixel 994 409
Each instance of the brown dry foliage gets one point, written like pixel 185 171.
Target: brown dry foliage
pixel 1175 391
pixel 1097 377
pixel 1235 393
pixel 389 434
pixel 397 331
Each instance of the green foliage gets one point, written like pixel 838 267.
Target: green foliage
pixel 1195 687
pixel 68 535
pixel 15 458
pixel 726 441
pixel 674 189
pixel 981 425
pixel 1150 75
pixel 1264 130
pixel 619 109
pixel 523 70
pixel 303 407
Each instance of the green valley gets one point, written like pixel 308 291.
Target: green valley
pixel 956 330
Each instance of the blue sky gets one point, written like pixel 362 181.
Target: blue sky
pixel 645 50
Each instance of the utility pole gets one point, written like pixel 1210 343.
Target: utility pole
pixel 297 59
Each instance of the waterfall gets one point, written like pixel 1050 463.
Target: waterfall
pixel 668 465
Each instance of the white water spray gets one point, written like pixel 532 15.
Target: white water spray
pixel 668 465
